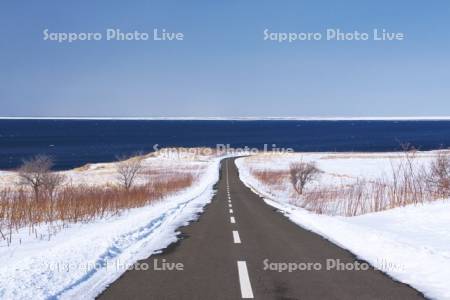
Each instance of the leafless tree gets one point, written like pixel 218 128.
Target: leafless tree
pixel 302 173
pixel 128 169
pixel 35 173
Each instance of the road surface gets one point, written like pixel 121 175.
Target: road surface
pixel 225 254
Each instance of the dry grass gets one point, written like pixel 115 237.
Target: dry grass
pixel 362 197
pixel 80 203
pixel 408 184
pixel 271 178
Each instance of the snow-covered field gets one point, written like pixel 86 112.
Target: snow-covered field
pixel 338 168
pixel 348 184
pixel 411 244
pixel 81 259
pixel 164 161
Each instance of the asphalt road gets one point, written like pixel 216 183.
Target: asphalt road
pixel 224 255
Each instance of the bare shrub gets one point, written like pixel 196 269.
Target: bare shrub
pixel 301 174
pixel 439 176
pixel 80 203
pixel 128 168
pixel 409 182
pixel 36 174
pixel 407 185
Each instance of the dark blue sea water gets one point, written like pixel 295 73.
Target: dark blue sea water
pixel 73 143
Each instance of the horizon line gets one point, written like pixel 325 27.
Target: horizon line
pixel 187 118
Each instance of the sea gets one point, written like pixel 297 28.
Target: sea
pixel 73 143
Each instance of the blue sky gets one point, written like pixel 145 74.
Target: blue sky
pixel 223 67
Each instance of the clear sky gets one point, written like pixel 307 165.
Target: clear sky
pixel 224 67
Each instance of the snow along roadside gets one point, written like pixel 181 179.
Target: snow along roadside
pixel 82 260
pixel 410 244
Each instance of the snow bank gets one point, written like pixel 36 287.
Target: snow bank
pixel 81 260
pixel 411 244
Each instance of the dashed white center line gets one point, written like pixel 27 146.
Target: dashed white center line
pixel 244 280
pixel 236 238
